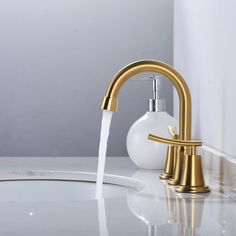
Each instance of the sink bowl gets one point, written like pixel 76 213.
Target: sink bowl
pixel 59 202
pixel 60 186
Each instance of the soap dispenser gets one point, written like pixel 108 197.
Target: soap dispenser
pixel 144 153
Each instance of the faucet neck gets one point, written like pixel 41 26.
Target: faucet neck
pixel 110 100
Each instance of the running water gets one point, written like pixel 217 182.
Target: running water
pixel 102 219
pixel 106 121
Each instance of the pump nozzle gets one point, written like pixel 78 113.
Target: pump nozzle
pixel 156 103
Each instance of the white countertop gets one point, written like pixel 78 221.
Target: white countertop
pixel 155 210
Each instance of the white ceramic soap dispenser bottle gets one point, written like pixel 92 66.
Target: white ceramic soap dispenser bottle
pixel 143 152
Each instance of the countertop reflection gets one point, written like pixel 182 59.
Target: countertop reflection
pixel 155 210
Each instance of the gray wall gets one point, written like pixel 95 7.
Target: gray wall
pixel 56 60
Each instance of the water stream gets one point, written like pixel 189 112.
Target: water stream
pixel 102 219
pixel 105 128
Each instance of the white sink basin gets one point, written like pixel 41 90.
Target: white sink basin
pixel 59 186
pixel 58 202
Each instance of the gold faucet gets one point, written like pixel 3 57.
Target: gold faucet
pixel 171 157
pixel 191 179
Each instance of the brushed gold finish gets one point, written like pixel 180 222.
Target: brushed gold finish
pixel 186 147
pixel 110 103
pixel 175 180
pixel 171 157
pixel 110 100
pixel 169 166
pixel 175 158
pixel 192 180
pixel 172 130
pixel 174 142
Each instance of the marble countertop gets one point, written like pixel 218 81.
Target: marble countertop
pixel 155 210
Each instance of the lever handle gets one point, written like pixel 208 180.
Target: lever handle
pixel 173 132
pixel 177 142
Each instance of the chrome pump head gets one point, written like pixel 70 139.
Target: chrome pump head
pixel 156 103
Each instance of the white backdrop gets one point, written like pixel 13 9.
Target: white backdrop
pixel 204 52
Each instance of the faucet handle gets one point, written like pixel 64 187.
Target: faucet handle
pixel 171 157
pixel 192 145
pixel 177 142
pixel 192 180
pixel 173 131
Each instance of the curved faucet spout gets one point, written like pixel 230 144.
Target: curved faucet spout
pixel 110 101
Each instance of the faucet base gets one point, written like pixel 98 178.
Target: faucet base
pixel 192 180
pixel 192 189
pixel 173 182
pixel 165 176
pixel 169 166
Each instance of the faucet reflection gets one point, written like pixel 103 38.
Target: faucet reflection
pixel 190 214
pixel 149 205
pixel 186 211
pixel 165 207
